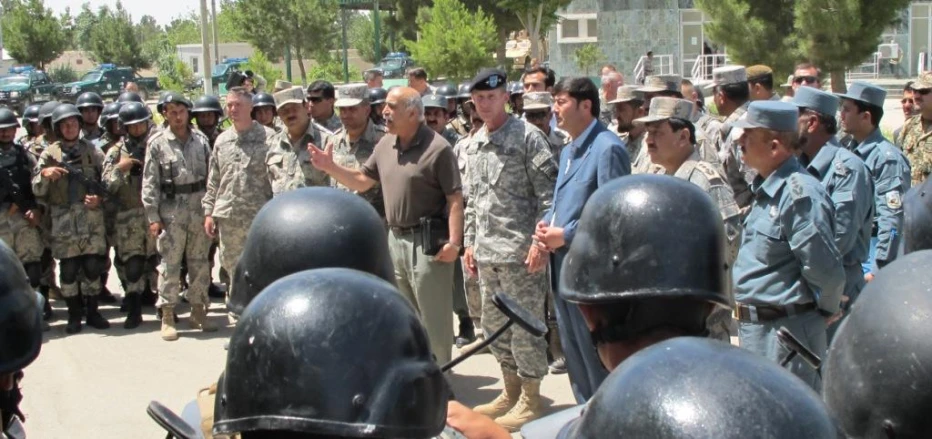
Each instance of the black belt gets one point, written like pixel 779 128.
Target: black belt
pixel 186 188
pixel 403 230
pixel 766 313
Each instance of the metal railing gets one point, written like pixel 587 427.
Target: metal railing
pixel 661 65
pixel 867 70
pixel 921 63
pixel 703 65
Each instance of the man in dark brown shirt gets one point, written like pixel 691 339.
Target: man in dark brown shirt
pixel 420 178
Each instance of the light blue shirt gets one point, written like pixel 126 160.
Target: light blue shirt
pixel 890 171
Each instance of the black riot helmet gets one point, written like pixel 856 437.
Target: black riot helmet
pixel 689 387
pixel 8 118
pixel 377 96
pixel 61 113
pixel 110 112
pixel 174 97
pixel 160 106
pixel 448 91
pixel 130 96
pixel 463 91
pixel 331 352
pixel 89 99
pixel 309 228
pixel 45 113
pixel 917 218
pixel 263 99
pixel 515 88
pixel 133 112
pixel 206 104
pixel 876 379
pixel 31 114
pixel 21 316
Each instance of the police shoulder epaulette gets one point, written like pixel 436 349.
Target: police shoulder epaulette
pixel 841 168
pixel 797 187
pixel 710 172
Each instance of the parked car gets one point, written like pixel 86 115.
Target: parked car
pixel 394 65
pixel 108 81
pixel 24 87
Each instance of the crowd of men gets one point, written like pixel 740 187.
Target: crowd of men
pixel 782 210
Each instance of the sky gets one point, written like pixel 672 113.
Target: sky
pixel 163 10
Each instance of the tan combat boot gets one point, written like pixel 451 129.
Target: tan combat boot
pixel 506 400
pixel 169 333
pixel 199 320
pixel 480 337
pixel 526 410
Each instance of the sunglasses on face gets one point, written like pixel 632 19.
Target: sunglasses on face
pixel 806 79
pixel 535 115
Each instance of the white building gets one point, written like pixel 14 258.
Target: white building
pixel 192 54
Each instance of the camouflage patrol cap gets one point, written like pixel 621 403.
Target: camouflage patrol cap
pixel 659 83
pixel 434 101
pixel 281 85
pixel 293 95
pixel 924 82
pixel 627 93
pixel 351 95
pixel 729 75
pixel 758 72
pixel 663 108
pixel 538 100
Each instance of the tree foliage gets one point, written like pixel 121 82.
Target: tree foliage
pixel 588 56
pixel 361 35
pixel 31 32
pixel 260 65
pixel 113 39
pixel 174 74
pixel 455 42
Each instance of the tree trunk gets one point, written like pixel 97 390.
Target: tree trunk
pixel 533 34
pixel 300 57
pixel 838 81
pixel 500 56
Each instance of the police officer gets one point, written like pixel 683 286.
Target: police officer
pixel 511 173
pixel 20 214
pixel 78 238
pixel 435 115
pixel 123 175
pixel 515 92
pixel 844 176
pixel 31 124
pixel 277 362
pixel 173 186
pixel 875 382
pixel 20 337
pixel 207 112
pixel 90 105
pixel 130 96
pixel 789 271
pixel 861 113
pixel 449 91
pixel 288 161
pixel 729 393
pixel 354 142
pixel 376 98
pixel 263 110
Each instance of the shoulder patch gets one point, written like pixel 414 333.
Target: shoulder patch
pixel 543 162
pixel 840 168
pixel 797 188
pixel 710 172
pixel 894 200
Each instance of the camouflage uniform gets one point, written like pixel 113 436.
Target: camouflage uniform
pixel 637 150
pixel 76 231
pixel 25 240
pixel 511 174
pixel 105 143
pixel 289 164
pixel 174 180
pixel 92 133
pixel 354 155
pixel 131 227
pixel 35 149
pixel 558 139
pixel 237 187
pixel 470 283
pixel 332 124
pixel 450 135
pixel 736 171
pixel 916 142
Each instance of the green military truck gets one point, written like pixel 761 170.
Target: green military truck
pixel 107 80
pixel 25 86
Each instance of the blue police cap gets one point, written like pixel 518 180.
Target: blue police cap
pixel 864 92
pixel 816 100
pixel 773 115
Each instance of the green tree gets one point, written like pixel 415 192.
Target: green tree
pixel 113 39
pixel 454 42
pixel 537 16
pixel 261 66
pixel 31 32
pixel 361 36
pixel 588 57
pixel 81 26
pixel 174 74
pixel 63 73
pixel 833 34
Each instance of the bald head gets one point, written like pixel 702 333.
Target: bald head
pixel 404 111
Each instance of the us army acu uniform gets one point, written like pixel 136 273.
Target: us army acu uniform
pixel 916 138
pixel 289 163
pixel 709 178
pixel 738 174
pixel 174 181
pixel 511 174
pixel 237 187
pixel 353 153
pixel 470 283
pixel 891 174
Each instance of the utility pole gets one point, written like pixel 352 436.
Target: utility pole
pixel 205 46
pixel 213 21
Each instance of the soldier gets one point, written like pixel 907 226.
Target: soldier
pixel 511 173
pixel 130 96
pixel 760 83
pixel 468 286
pixel 90 105
pixel 417 79
pixel 875 380
pixel 78 237
pixel 629 106
pixel 36 148
pixel 174 180
pixel 21 214
pixel 238 181
pixel 288 160
pixel 861 113
pixel 277 363
pixel 207 113
pixel 710 125
pixel 913 138
pixel 611 80
pixel 123 175
pixel 112 128
pixel 281 85
pixel 372 77
pixel 263 110
pixel 846 180
pixel 435 115
pixel 789 271
pixel 31 124
pixel 909 105
pixel 112 133
pixel 376 98
pixel 537 112
pixel 515 92
pixel 671 147
pixel 449 91
pixel 732 97
pixel 464 110
pixel 320 99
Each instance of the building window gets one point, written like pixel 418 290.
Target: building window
pixel 578 28
pixel 194 65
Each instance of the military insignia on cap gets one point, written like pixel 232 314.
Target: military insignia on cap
pixel 539 100
pixel 351 95
pixel 894 199
pixel 493 81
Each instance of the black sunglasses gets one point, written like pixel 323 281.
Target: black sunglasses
pixel 806 79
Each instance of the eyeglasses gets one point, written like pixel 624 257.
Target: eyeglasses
pixel 806 79
pixel 315 99
pixel 535 115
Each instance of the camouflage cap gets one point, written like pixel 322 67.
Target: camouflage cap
pixel 663 108
pixel 729 75
pixel 538 100
pixel 627 93
pixel 924 82
pixel 293 95
pixel 281 85
pixel 659 83
pixel 758 72
pixel 434 101
pixel 351 95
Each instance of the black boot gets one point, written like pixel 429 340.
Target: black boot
pixel 149 297
pixel 467 333
pixel 105 295
pixel 74 314
pixel 94 319
pixel 124 304
pixel 47 308
pixel 134 307
pixel 215 291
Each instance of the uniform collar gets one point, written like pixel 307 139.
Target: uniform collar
pixel 865 147
pixel 775 181
pixel 170 135
pixel 686 169
pixel 820 164
pixel 499 136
